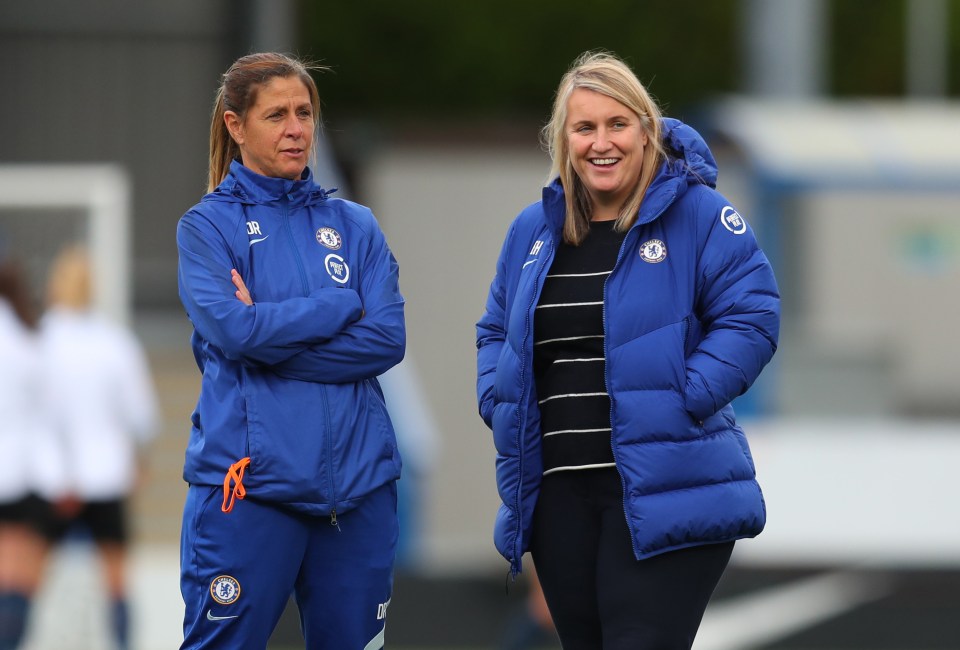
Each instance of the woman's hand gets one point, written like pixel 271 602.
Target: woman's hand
pixel 242 293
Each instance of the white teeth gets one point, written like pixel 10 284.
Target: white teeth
pixel 603 161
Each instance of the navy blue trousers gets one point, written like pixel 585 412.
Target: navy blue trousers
pixel 238 569
pixel 599 595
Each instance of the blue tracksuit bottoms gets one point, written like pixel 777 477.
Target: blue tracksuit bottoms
pixel 238 569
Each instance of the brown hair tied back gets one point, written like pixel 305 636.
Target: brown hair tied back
pixel 238 92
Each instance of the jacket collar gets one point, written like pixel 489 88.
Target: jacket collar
pixel 554 206
pixel 245 186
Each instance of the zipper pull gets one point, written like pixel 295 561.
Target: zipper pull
pixel 333 518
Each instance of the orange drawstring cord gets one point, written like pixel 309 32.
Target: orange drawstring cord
pixel 234 474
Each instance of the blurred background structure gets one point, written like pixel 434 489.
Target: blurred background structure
pixel 837 128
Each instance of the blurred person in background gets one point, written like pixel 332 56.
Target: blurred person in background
pixel 25 515
pixel 19 390
pixel 292 462
pixel 629 308
pixel 104 414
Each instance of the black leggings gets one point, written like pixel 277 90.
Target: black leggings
pixel 599 595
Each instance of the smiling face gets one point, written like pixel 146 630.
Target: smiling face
pixel 276 133
pixel 605 143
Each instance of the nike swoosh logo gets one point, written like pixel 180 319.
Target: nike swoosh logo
pixel 211 617
pixel 257 241
pixel 526 264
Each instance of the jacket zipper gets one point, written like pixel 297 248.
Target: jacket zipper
pixel 285 217
pixel 606 380
pixel 544 264
pixel 329 449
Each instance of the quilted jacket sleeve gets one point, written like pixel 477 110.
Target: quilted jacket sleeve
pixel 738 306
pixel 491 335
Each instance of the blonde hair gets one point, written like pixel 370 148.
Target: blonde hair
pixel 608 75
pixel 70 283
pixel 238 92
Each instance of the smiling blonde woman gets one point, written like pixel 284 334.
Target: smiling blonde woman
pixel 630 306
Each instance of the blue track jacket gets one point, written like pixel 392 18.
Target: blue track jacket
pixel 290 382
pixel 691 316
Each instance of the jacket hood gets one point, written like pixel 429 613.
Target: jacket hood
pixel 245 186
pixel 689 161
pixel 684 145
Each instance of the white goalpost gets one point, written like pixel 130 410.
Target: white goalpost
pixel 101 194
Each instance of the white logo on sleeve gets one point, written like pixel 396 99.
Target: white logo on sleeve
pixel 337 268
pixel 732 221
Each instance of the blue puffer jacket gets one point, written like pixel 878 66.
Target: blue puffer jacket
pixel 691 317
pixel 291 381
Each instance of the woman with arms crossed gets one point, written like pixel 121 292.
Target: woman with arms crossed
pixel 292 460
pixel 629 307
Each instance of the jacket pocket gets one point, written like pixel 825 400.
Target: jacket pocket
pixel 286 431
pixel 380 421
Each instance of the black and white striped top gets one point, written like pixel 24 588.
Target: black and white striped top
pixel 569 353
